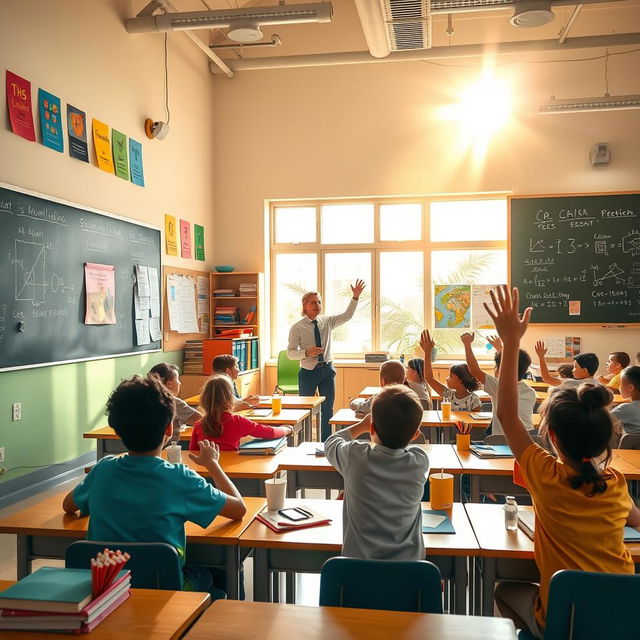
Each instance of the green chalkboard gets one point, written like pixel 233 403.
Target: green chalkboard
pixel 44 246
pixel 576 258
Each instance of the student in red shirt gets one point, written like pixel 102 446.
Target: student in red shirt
pixel 222 426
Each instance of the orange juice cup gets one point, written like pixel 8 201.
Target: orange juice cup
pixel 276 404
pixel 463 441
pixel 441 491
pixel 446 410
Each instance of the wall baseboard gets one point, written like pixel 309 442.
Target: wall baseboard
pixel 25 486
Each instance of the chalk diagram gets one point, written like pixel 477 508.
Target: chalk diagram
pixel 614 273
pixel 631 243
pixel 634 278
pixel 29 261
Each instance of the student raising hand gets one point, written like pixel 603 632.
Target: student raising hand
pixel 504 313
pixel 541 350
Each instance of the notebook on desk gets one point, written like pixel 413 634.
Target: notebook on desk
pixel 258 413
pixel 481 415
pixel 436 522
pixel 262 447
pixel 492 451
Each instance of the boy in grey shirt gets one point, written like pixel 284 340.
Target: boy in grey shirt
pixel 383 483
pixel 629 412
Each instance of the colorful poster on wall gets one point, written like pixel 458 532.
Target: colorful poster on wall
pixel 100 284
pixel 135 158
pixel 198 241
pixel 19 105
pixel 77 128
pixel 185 239
pixel 480 295
pixel 170 235
pixel 452 306
pixel 102 145
pixel 50 120
pixel 120 156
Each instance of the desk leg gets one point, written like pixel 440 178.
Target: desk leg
pixel 292 483
pixel 232 566
pixel 100 449
pixel 307 428
pixel 23 562
pixel 261 575
pixel 488 585
pixel 290 587
pixel 317 411
pixel 475 488
pixel 460 583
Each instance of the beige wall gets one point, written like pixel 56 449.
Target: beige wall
pixel 373 130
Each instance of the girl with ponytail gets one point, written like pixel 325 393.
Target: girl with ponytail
pixel 581 504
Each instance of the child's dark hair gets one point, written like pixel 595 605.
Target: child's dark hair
pixel 588 361
pixel 165 371
pixel 632 375
pixel 524 362
pixel 223 362
pixel 468 381
pixel 140 410
pixel 396 413
pixel 621 357
pixel 565 371
pixel 417 364
pixel 583 428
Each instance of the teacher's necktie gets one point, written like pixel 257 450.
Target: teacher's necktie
pixel 316 335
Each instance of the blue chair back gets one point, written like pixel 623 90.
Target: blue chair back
pixel 153 565
pixel 381 584
pixel 583 604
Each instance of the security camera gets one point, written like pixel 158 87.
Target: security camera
pixel 156 129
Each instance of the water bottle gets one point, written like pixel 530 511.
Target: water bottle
pixel 402 358
pixel 511 514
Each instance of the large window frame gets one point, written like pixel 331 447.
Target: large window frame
pixel 424 245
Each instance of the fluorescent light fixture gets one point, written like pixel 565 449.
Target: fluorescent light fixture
pixel 604 103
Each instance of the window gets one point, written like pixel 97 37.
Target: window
pixel 411 252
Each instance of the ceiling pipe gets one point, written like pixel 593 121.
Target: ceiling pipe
pixel 567 28
pixel 435 53
pixel 374 27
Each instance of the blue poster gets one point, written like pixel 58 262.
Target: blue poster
pixel 51 124
pixel 135 162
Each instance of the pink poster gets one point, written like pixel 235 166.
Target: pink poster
pixel 185 238
pixel 100 283
pixel 19 103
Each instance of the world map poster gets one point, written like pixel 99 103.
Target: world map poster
pixel 452 306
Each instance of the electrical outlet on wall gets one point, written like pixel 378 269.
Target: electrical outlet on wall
pixel 1 454
pixel 16 409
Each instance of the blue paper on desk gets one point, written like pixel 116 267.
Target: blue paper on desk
pixel 492 450
pixel 631 534
pixel 430 518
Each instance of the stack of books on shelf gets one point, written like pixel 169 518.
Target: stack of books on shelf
pixel 247 350
pixel 248 289
pixel 192 357
pixel 223 293
pixel 376 356
pixel 245 332
pixel 227 315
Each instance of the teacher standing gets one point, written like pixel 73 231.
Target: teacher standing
pixel 310 342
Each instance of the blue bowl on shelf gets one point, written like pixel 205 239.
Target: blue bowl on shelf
pixel 224 268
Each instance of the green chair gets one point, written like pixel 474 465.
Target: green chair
pixel 287 375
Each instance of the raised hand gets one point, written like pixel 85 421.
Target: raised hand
pixel 427 344
pixel 503 310
pixel 495 342
pixel 541 350
pixel 357 289
pixel 468 337
pixel 209 453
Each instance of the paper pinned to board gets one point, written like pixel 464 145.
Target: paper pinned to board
pixel 142 331
pixel 181 302
pixel 555 347
pixel 154 292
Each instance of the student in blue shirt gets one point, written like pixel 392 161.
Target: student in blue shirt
pixel 139 497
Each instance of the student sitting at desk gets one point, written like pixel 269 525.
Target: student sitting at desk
pixel 221 425
pixel 228 364
pixel 580 510
pixel 391 372
pixel 585 366
pixel 383 484
pixel 629 412
pixel 460 387
pixel 618 360
pixel 139 497
pixel 416 381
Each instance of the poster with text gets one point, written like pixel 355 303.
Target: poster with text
pixel 77 128
pixel 19 105
pixel 170 235
pixel 120 156
pixel 198 241
pixel 135 159
pixel 185 239
pixel 480 295
pixel 102 145
pixel 50 120
pixel 100 285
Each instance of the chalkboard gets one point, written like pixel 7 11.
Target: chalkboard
pixel 44 245
pixel 576 258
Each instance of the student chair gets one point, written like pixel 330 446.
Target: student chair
pixel 579 600
pixel 381 584
pixel 630 441
pixel 153 565
pixel 287 374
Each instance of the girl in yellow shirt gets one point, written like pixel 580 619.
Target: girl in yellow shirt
pixel 580 510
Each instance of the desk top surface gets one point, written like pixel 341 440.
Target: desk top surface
pixel 288 402
pixel 232 620
pixel 367 392
pixel 236 465
pixel 290 417
pixel 148 613
pixel 329 537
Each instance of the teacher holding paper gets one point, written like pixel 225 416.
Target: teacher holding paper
pixel 310 342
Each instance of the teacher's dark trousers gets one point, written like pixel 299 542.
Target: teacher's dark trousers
pixel 322 378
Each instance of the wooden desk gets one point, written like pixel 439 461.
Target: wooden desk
pixel 541 396
pixel 537 385
pixel 306 550
pixel 108 443
pixel 306 470
pixel 43 530
pixel 499 548
pixel 148 613
pixel 294 418
pixel 228 620
pixel 367 392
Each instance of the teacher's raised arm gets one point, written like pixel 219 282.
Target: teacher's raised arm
pixel 310 342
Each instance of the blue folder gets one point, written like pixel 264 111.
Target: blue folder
pixel 446 526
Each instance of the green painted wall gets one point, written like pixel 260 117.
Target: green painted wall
pixel 60 403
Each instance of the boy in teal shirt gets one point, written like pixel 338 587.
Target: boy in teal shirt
pixel 139 497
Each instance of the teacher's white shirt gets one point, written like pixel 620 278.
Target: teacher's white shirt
pixel 302 336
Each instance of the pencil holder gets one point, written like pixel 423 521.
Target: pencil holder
pixel 463 441
pixel 441 491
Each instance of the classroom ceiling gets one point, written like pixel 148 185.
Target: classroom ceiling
pixel 344 33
